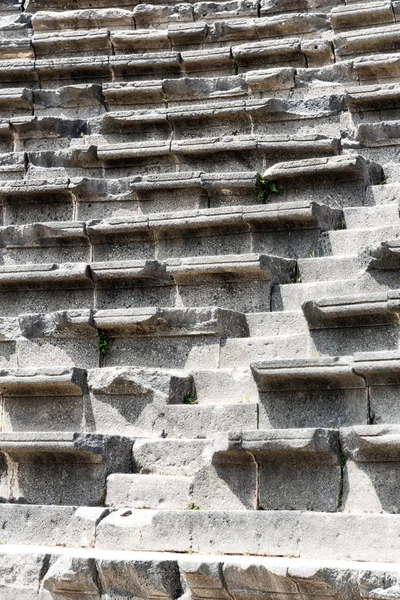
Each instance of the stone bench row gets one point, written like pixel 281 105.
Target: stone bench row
pixel 179 37
pixel 307 51
pixel 80 159
pixel 243 281
pixel 161 65
pixel 163 575
pixel 246 117
pixel 264 6
pixel 296 469
pixel 89 100
pixel 290 229
pixel 264 470
pixel 257 62
pixel 61 199
pixel 341 17
pixel 271 533
pixel 123 400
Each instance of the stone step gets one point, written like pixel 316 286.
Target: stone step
pixel 184 31
pixel 361 14
pixel 367 98
pixel 200 151
pixel 267 470
pixel 273 533
pixel 80 463
pixel 355 240
pixel 105 67
pixel 348 390
pixel 244 280
pixel 150 337
pixel 290 297
pixel 358 310
pixel 240 470
pixel 155 574
pixel 371 217
pixel 246 116
pixel 276 323
pixel 328 268
pixel 382 68
pixel 64 199
pixel 164 492
pixel 366 41
pixel 108 400
pixel 283 229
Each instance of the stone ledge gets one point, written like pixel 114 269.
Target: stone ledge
pixel 306 374
pixel 50 381
pixel 162 574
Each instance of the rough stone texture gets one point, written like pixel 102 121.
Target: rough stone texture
pixel 199 300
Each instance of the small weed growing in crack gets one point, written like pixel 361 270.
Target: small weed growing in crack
pixel 166 99
pixel 268 188
pixel 381 181
pixel 190 398
pixel 103 345
pixel 192 506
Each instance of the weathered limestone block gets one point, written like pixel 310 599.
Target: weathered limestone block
pixel 140 40
pixel 161 492
pixel 28 524
pixel 82 19
pixel 133 93
pixel 243 281
pixel 204 421
pixel 72 43
pixel 323 392
pixel 133 401
pixel 373 97
pixel 354 16
pixel 270 79
pixel 208 63
pixel 37 200
pixel 372 471
pixel 377 68
pixel 283 6
pixel 16 101
pixel 384 256
pixel 25 287
pixel 335 178
pixel 82 101
pixel 359 310
pixel 39 243
pixel 283 53
pixel 272 533
pixel 60 468
pixel 72 69
pixel 364 41
pixel 71 576
pixel 128 284
pixel 148 16
pixel 145 65
pixel 380 371
pixel 281 461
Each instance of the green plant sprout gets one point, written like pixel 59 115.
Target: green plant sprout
pixel 267 189
pixel 190 398
pixel 103 345
pixel 192 506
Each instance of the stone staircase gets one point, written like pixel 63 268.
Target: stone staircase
pixel 199 300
